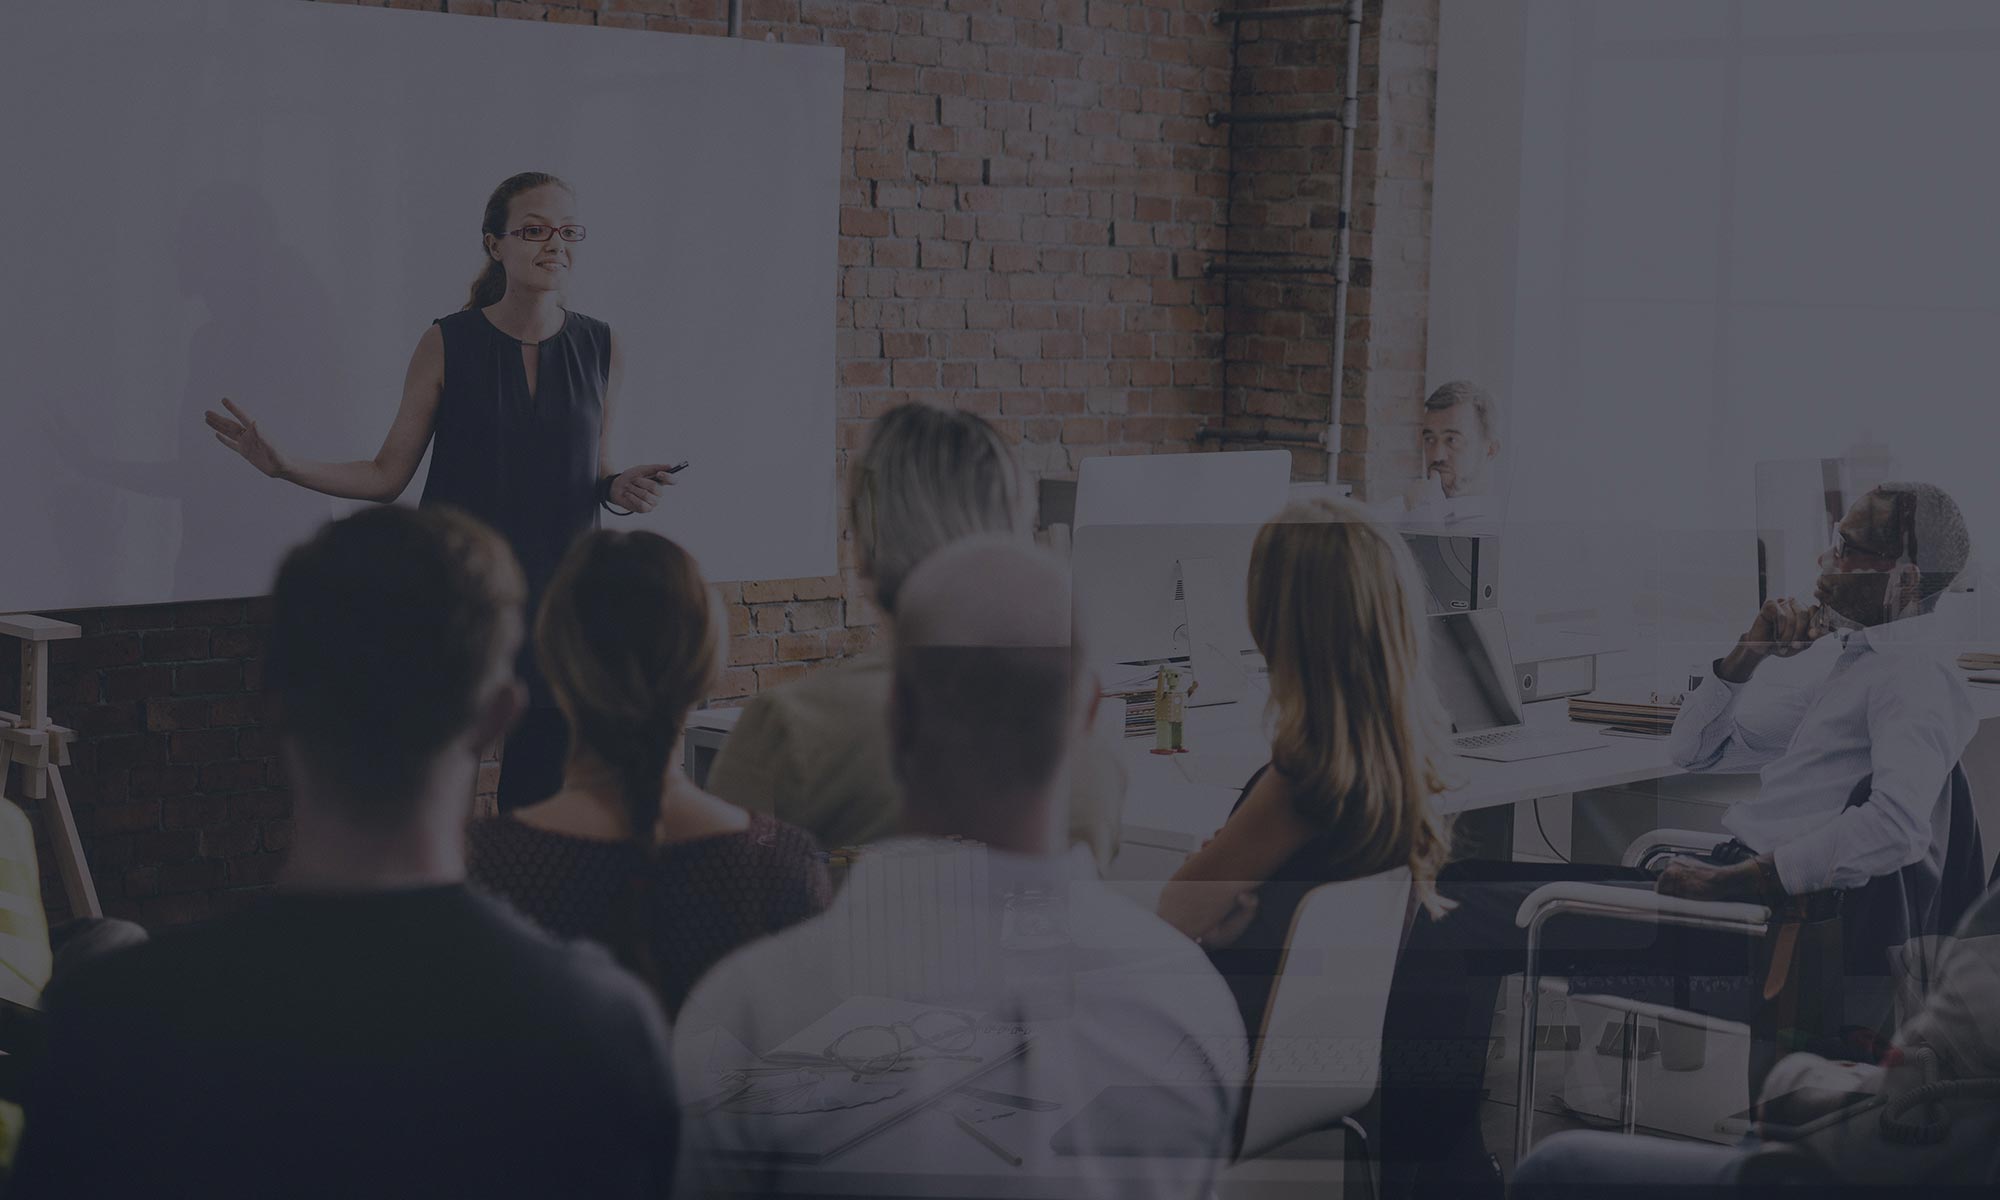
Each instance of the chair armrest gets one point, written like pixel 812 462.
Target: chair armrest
pixel 1633 904
pixel 1659 841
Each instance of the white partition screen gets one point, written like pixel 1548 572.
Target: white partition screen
pixel 271 200
pixel 1684 238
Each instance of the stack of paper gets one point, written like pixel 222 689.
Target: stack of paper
pixel 1633 716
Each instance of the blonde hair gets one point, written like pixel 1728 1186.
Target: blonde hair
pixel 929 477
pixel 1359 732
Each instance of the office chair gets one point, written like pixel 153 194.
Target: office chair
pixel 1926 898
pixel 1319 1058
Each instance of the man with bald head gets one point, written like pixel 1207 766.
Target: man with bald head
pixel 978 915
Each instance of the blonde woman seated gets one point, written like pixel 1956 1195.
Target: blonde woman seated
pixel 1348 791
pixel 629 852
pixel 816 752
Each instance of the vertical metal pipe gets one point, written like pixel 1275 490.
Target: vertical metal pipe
pixel 1350 122
pixel 735 18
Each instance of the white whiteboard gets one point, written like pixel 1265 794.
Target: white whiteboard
pixel 271 200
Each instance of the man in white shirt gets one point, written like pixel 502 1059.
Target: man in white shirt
pixel 976 910
pixel 1889 706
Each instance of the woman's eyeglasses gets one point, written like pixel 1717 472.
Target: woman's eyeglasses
pixel 542 233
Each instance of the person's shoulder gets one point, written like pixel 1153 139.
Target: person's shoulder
pixel 464 318
pixel 591 327
pixel 745 983
pixel 166 963
pixel 836 697
pixel 1168 976
pixel 781 841
pixel 846 683
pixel 499 849
pixel 1921 671
pixel 579 972
pixel 1125 935
pixel 491 839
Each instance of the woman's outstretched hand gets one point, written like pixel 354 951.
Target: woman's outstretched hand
pixel 638 488
pixel 242 436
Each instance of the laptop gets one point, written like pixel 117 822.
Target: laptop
pixel 1474 674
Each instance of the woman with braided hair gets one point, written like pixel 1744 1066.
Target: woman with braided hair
pixel 629 852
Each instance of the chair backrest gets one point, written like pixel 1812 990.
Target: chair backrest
pixel 1320 1055
pixel 1929 897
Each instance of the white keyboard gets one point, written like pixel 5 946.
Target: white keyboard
pixel 1519 742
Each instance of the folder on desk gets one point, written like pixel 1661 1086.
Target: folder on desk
pixel 1635 716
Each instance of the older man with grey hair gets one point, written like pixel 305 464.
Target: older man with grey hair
pixel 972 941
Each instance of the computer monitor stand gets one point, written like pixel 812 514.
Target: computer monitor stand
pixel 1217 668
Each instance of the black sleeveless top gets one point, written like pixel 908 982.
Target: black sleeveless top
pixel 1250 964
pixel 526 465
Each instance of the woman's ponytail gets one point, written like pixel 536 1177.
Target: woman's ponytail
pixel 489 287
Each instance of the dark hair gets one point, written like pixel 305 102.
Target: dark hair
pixel 626 642
pixel 384 627
pixel 491 283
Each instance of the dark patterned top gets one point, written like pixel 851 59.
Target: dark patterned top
pixel 709 896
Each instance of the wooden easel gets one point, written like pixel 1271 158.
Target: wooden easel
pixel 42 749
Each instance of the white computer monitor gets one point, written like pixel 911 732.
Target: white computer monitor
pixel 1130 603
pixel 1237 487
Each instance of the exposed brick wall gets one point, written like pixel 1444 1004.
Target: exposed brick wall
pixel 1284 207
pixel 174 777
pixel 1029 192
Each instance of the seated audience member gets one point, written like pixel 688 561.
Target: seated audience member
pixel 1888 707
pixel 975 919
pixel 1459 440
pixel 374 1028
pixel 1903 1144
pixel 1353 772
pixel 629 852
pixel 816 752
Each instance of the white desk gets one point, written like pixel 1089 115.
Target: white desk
pixel 1172 802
